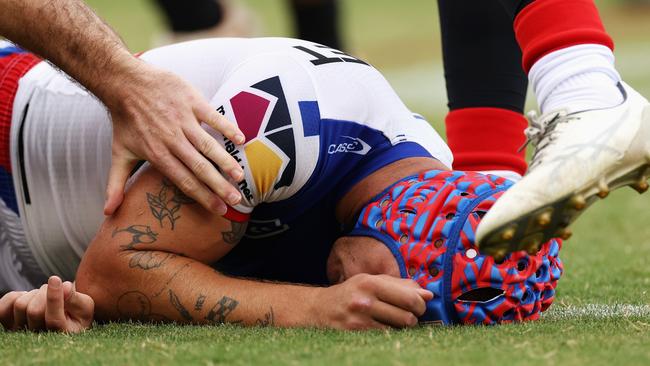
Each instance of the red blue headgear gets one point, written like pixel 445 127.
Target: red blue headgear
pixel 428 223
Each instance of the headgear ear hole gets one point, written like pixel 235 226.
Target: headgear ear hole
pixel 481 294
pixel 525 296
pixel 408 211
pixel 522 265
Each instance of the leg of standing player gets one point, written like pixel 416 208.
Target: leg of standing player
pixel 486 87
pixel 191 15
pixel 591 138
pixel 318 21
pixel 196 19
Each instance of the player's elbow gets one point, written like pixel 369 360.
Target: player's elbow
pixel 98 276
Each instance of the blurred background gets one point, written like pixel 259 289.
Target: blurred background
pixel 400 38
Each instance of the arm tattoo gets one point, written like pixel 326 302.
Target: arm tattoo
pixel 133 305
pixel 185 266
pixel 268 320
pixel 199 303
pixel 221 310
pixel 166 204
pixel 176 302
pixel 141 234
pixel 237 231
pixel 147 260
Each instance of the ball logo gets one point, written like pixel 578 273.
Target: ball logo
pixel 351 145
pixel 266 123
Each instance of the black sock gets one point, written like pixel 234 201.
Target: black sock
pixel 513 7
pixel 482 59
pixel 318 21
pixel 191 15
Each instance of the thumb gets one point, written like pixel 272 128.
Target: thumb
pixel 121 167
pixel 80 306
pixel 54 310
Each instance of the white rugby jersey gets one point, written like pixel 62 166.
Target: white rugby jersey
pixel 315 120
pixel 306 111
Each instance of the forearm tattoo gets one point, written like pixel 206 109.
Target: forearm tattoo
pixel 219 313
pixel 176 302
pixel 167 202
pixel 172 277
pixel 135 305
pixel 198 306
pixel 237 231
pixel 268 320
pixel 147 260
pixel 140 234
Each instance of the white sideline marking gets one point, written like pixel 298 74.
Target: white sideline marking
pixel 599 311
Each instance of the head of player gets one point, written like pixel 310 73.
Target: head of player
pixel 422 227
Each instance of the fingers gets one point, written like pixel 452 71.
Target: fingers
pixel 68 287
pixel 121 167
pixel 204 170
pixel 392 315
pixel 187 182
pixel 36 310
pixel 211 149
pixel 404 294
pixel 55 318
pixel 425 294
pixel 204 112
pixel 47 308
pixel 376 301
pixel 7 308
pixel 20 309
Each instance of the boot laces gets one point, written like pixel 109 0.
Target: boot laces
pixel 542 132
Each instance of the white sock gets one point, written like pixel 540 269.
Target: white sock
pixel 508 174
pixel 576 78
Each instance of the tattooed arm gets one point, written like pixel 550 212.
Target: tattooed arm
pixel 150 260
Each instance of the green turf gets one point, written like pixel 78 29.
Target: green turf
pixel 602 312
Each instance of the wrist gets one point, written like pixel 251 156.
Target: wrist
pixel 303 308
pixel 127 73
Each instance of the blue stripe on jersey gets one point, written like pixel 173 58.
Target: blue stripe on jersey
pixel 7 192
pixel 310 114
pixel 8 51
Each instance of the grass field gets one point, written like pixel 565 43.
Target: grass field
pixel 602 311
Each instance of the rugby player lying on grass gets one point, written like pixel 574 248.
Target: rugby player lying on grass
pixel 343 185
